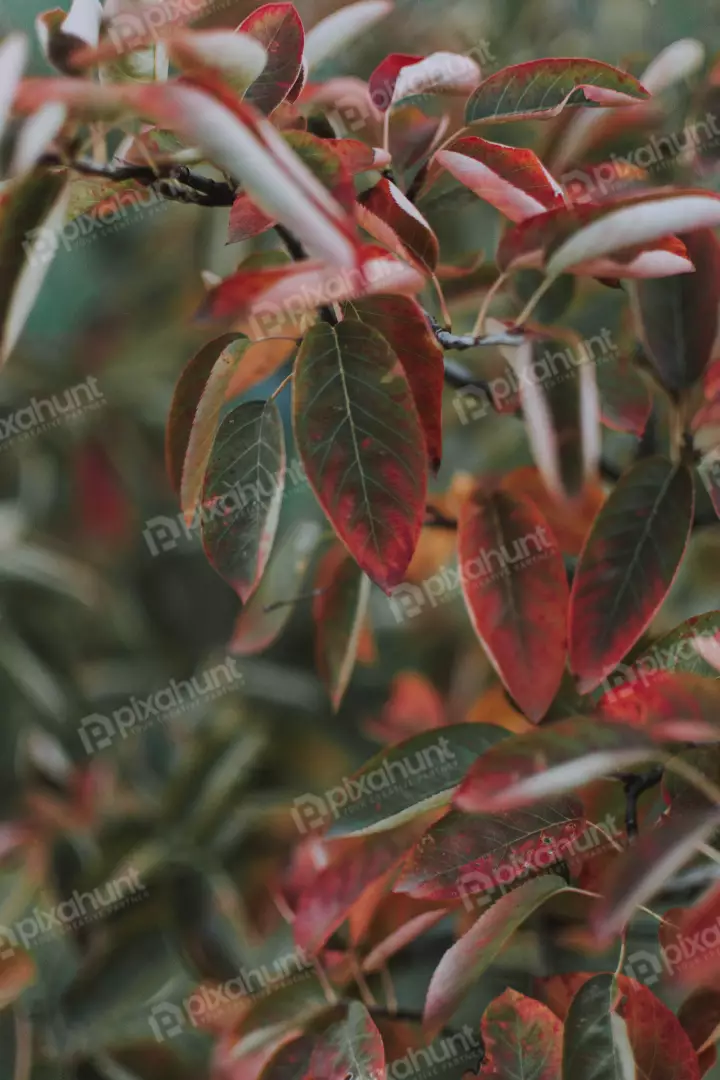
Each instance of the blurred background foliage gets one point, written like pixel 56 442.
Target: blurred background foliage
pixel 90 617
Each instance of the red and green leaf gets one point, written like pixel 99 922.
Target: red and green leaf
pixel 627 566
pixel 523 1039
pixel 400 76
pixel 352 1047
pixel 279 30
pixel 386 202
pixel 661 1048
pixel 360 440
pixel 596 1039
pixel 339 611
pixel 678 706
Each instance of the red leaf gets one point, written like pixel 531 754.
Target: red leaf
pixel 522 1037
pixel 515 588
pixel 388 203
pixel 661 1048
pixel 678 706
pixel 353 1047
pixel 247 220
pixel 279 30
pixel 696 960
pixel 381 83
pixel 414 706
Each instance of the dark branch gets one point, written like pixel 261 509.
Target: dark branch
pixel 635 785
pixel 173 181
pixel 448 340
pixel 437 520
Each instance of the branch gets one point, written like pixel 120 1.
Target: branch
pixel 173 181
pixel 448 340
pixel 437 520
pixel 635 785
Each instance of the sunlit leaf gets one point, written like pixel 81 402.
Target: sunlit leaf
pixel 352 1047
pixel 279 30
pixel 523 1039
pixel 342 28
pixel 242 494
pixel 540 89
pixel 628 565
pixel 359 436
pixel 515 589
pixel 596 1041
pixel 339 610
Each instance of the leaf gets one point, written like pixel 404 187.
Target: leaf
pixel 401 76
pixel 339 611
pixel 699 1017
pixel 17 973
pixel 186 398
pixel 326 900
pixel 352 1047
pixel 627 566
pixel 291 1061
pixel 625 400
pixel 13 57
pixel 247 220
pixel 677 317
pixel 414 706
pixel 661 1048
pixel 387 202
pixel 32 212
pixel 410 929
pixel 409 778
pixel 511 179
pixel 523 1039
pixel 561 410
pixel 341 28
pixel 695 960
pixel 467 854
pixel 464 963
pixel 35 138
pixel 238 57
pixel 678 649
pixel 360 440
pixel 515 589
pixel 540 89
pixel 268 611
pixel 569 524
pixel 412 136
pixel 402 323
pixel 242 494
pixel 638 873
pixel 279 30
pixel 548 761
pixel 677 705
pixel 596 1042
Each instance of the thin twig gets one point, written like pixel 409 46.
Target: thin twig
pixel 448 340
pixel 173 181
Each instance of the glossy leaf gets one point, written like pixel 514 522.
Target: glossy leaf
pixel 465 962
pixel 515 589
pixel 342 28
pixel 352 1047
pixel 387 202
pixel 523 1039
pixel 678 316
pixel 596 1042
pixel 467 854
pixel 549 761
pixel 279 30
pixel 359 436
pixel 402 323
pixel 510 178
pixel 627 565
pixel 263 619
pixel 242 494
pixel 415 775
pixel 540 89
pixel 339 611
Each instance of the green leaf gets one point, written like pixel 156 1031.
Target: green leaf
pixel 242 494
pixel 627 566
pixel 411 777
pixel 523 1040
pixel 360 440
pixel 596 1045
pixel 540 89
pixel 353 1047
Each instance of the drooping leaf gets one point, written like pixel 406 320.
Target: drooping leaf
pixel 549 761
pixel 467 854
pixel 596 1042
pixel 540 89
pixel 627 566
pixel 263 619
pixel 523 1039
pixel 326 900
pixel 279 30
pixel 465 962
pixel 32 213
pixel 415 775
pixel 661 1048
pixel 186 398
pixel 402 76
pixel 352 1047
pixel 677 317
pixel 242 494
pixel 401 322
pixel 339 611
pixel 341 28
pixel 638 873
pixel 511 179
pixel 387 202
pixel 515 589
pixel 359 436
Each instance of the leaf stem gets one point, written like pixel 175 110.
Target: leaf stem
pixel 487 300
pixel 533 301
